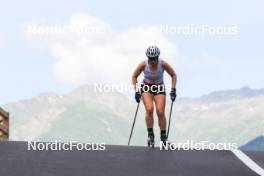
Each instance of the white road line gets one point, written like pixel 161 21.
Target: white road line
pixel 248 162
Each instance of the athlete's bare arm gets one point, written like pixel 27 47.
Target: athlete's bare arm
pixel 136 73
pixel 171 72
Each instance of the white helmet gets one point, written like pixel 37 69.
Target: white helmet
pixel 153 51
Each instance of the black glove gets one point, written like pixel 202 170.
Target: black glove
pixel 173 94
pixel 137 97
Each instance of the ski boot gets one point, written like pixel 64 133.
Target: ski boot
pixel 164 140
pixel 151 142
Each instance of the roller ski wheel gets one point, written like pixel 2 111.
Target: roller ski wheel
pixel 151 143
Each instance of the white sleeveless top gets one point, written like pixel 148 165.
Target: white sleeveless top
pixel 153 77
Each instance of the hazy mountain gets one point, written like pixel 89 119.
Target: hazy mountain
pixel 244 92
pixel 85 115
pixel 81 115
pixel 255 144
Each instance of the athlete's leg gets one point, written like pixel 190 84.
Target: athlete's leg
pixel 160 101
pixel 148 102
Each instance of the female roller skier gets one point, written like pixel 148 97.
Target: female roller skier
pixel 153 90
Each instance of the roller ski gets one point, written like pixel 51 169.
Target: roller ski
pixel 151 142
pixel 164 140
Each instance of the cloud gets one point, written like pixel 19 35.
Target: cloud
pixel 101 54
pixel 93 52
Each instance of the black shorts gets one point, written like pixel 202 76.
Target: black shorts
pixel 153 89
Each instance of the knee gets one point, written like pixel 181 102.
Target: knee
pixel 149 110
pixel 160 113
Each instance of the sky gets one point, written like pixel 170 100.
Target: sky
pixel 118 34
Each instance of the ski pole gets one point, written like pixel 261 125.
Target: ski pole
pixel 169 120
pixel 133 124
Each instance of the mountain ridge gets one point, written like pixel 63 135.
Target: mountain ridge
pixel 256 144
pixel 243 92
pixel 83 115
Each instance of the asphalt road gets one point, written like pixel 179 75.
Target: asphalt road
pixel 15 159
pixel 256 156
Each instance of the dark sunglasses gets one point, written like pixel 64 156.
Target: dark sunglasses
pixel 153 58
